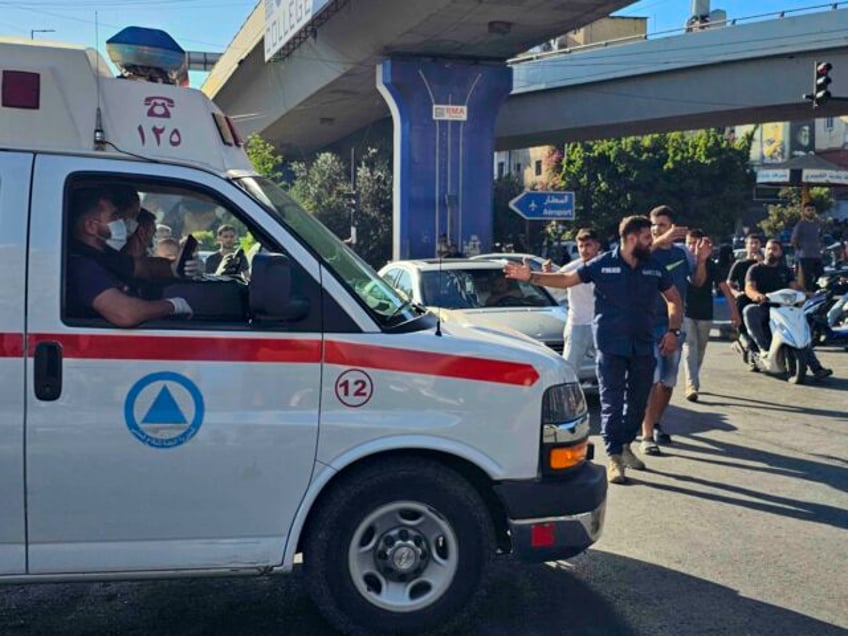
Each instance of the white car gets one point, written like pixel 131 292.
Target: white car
pixel 536 264
pixel 478 291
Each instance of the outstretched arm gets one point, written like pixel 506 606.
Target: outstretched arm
pixel 523 272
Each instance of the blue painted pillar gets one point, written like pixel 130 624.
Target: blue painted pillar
pixel 444 141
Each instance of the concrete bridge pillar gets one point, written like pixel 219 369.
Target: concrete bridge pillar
pixel 444 119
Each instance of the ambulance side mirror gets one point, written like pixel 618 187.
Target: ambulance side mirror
pixel 270 290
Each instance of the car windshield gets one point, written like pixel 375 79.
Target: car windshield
pixel 479 288
pixel 383 302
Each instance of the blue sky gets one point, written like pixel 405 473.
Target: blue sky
pixel 209 25
pixel 664 15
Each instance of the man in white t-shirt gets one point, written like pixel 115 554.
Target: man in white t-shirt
pixel 581 303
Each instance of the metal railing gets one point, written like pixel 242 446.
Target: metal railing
pixel 530 57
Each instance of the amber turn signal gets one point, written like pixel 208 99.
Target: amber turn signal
pixel 568 456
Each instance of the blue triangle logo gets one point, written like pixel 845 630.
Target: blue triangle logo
pixel 164 410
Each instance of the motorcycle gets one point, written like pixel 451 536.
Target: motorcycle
pixel 827 310
pixel 790 337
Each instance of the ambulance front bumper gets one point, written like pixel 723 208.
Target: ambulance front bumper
pixel 550 519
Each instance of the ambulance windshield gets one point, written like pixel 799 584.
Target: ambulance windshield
pixel 388 307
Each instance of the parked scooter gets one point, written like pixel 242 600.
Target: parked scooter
pixel 790 337
pixel 827 310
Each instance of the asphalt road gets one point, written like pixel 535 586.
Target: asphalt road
pixel 740 528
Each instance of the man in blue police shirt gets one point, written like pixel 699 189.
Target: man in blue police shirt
pixel 626 283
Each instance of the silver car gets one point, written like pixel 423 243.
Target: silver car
pixel 477 291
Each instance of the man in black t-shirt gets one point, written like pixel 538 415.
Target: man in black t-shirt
pixel 764 278
pixel 698 319
pixel 739 269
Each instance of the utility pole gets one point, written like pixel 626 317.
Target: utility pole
pixel 32 32
pixel 354 197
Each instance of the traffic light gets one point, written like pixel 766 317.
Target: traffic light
pixel 821 92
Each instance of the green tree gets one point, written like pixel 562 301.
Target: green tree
pixel 703 176
pixel 784 216
pixel 322 187
pixel 507 225
pixel 264 157
pixel 374 219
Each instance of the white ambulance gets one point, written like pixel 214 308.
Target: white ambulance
pixel 304 409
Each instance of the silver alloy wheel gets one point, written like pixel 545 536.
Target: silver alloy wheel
pixel 403 556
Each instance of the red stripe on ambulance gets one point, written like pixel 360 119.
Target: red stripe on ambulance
pixel 11 345
pixel 275 350
pixel 426 363
pixel 183 348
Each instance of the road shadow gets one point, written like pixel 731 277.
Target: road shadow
pixel 727 454
pixel 597 594
pixel 601 593
pixel 710 398
pixel 750 499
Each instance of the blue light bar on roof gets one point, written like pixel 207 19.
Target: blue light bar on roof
pixel 148 54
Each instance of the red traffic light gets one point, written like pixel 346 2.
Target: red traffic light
pixel 824 68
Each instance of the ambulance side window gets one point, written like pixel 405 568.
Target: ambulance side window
pixel 128 235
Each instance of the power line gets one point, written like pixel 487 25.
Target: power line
pixel 115 26
pixel 101 4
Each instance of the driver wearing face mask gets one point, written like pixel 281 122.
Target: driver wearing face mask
pixel 101 279
pixel 125 198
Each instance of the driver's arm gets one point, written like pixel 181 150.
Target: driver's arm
pixel 127 311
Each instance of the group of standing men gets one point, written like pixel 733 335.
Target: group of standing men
pixel 646 297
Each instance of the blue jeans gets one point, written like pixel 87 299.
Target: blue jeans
pixel 624 383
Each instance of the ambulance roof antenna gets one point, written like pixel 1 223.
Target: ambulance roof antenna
pixel 99 134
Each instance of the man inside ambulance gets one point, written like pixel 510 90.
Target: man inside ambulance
pixel 100 279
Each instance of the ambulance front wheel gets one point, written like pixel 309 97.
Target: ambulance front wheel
pixel 400 547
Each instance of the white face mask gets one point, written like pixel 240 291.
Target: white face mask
pixel 118 231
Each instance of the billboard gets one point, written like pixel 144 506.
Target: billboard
pixel 773 143
pixel 284 18
pixel 802 138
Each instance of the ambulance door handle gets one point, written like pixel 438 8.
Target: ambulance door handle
pixel 48 371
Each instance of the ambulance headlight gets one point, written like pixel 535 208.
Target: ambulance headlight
pixel 563 403
pixel 565 429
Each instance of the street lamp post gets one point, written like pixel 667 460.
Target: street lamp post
pixel 32 32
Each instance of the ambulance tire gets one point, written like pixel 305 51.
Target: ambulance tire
pixel 371 508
